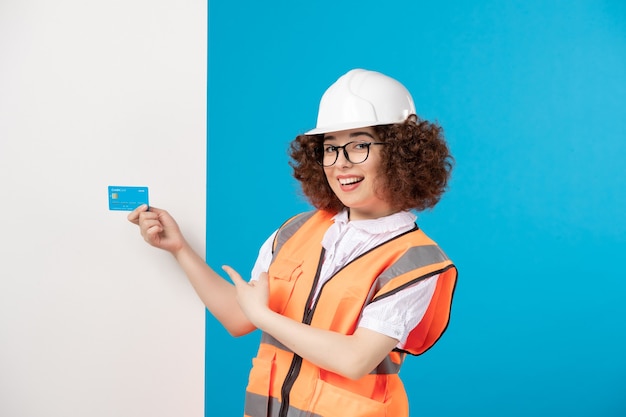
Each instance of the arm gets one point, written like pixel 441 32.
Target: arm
pixel 160 230
pixel 352 356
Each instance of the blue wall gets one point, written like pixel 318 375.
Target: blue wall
pixel 531 96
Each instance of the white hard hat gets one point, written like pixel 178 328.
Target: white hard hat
pixel 362 98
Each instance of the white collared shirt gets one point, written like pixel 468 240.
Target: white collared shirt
pixel 394 316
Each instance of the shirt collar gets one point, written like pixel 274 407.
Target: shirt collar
pixel 386 224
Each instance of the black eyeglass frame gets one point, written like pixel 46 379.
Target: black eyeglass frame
pixel 320 152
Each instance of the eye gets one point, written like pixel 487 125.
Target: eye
pixel 329 149
pixel 360 146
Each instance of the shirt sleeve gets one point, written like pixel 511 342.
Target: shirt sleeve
pixel 395 316
pixel 264 259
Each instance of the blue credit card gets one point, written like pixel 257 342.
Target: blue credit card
pixel 127 198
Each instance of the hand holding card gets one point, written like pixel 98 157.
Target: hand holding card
pixel 158 228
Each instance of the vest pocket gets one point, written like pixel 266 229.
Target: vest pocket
pixel 287 269
pixel 283 276
pixel 332 401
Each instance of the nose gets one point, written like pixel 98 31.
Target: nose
pixel 342 158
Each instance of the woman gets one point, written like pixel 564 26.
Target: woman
pixel 342 293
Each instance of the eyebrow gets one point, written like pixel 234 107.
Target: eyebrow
pixel 352 135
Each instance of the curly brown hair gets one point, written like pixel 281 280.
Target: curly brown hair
pixel 415 167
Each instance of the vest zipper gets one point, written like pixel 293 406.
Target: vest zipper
pixel 296 362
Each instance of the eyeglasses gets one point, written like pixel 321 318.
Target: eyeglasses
pixel 355 152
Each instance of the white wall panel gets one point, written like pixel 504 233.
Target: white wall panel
pixel 93 322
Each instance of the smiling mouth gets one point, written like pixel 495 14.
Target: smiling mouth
pixel 348 181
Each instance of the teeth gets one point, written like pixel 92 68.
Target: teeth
pixel 346 181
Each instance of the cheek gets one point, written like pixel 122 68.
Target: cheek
pixel 374 168
pixel 379 184
pixel 333 185
pixel 327 174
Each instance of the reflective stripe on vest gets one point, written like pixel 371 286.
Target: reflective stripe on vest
pixel 413 258
pixel 283 384
pixel 261 406
pixel 289 229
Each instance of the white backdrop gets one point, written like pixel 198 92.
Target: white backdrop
pixel 93 322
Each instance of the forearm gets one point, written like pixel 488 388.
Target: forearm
pixel 217 294
pixel 352 356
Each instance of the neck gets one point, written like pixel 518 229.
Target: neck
pixel 361 215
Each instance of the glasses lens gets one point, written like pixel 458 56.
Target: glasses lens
pixel 357 151
pixel 328 155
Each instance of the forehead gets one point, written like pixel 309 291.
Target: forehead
pixel 351 134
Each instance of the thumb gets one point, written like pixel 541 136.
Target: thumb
pixel 263 278
pixel 155 210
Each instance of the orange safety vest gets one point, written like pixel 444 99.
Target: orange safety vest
pixel 283 384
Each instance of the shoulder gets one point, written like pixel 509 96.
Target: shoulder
pixel 294 224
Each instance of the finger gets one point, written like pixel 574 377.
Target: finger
pixel 154 230
pixel 150 213
pixel 133 216
pixel 234 276
pixel 146 225
pixel 147 215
